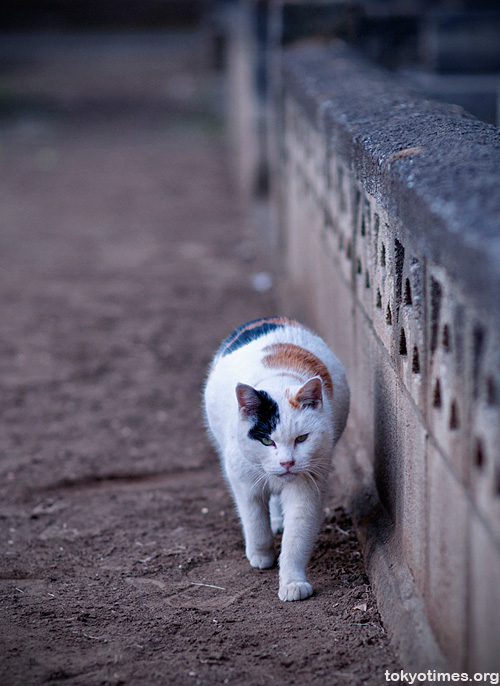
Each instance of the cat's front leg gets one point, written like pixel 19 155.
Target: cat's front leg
pixel 303 514
pixel 254 514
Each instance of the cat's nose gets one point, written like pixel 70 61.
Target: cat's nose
pixel 288 464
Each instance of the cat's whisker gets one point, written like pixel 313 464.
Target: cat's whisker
pixel 313 481
pixel 261 478
pixel 321 473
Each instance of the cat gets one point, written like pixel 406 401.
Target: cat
pixel 276 402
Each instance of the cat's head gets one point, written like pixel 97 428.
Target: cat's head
pixel 285 430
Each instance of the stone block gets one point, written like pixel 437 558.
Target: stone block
pixel 334 307
pixel 365 354
pixel 364 253
pixel 384 280
pixel 387 459
pixel 336 191
pixel 484 435
pixel 448 397
pixel 484 591
pixel 411 348
pixel 413 512
pixel 447 584
pixel 339 205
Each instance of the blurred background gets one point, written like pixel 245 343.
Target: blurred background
pixel 448 48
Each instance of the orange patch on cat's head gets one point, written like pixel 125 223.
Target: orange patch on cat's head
pixel 292 399
pixel 287 356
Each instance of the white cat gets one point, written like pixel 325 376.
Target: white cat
pixel 276 402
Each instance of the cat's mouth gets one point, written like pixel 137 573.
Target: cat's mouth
pixel 287 475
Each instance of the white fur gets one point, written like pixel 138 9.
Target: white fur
pixel 268 498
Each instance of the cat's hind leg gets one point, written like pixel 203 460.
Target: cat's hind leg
pixel 276 513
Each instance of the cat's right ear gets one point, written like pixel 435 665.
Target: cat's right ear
pixel 248 400
pixel 311 394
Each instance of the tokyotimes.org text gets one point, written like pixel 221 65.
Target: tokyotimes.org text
pixel 433 676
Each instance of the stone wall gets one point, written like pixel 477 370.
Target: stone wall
pixel 390 222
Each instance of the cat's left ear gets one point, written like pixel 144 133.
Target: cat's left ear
pixel 310 395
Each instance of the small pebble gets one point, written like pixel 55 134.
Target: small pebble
pixel 262 282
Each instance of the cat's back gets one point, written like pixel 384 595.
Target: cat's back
pixel 266 342
pixel 243 349
pixel 256 330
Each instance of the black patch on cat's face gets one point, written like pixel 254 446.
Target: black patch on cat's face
pixel 266 417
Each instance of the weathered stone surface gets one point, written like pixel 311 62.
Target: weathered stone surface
pixel 430 165
pixel 391 223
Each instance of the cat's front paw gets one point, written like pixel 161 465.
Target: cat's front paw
pixel 262 560
pixel 295 590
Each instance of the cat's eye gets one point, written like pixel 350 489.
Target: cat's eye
pixel 301 438
pixel 265 440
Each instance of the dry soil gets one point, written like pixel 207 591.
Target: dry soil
pixel 125 257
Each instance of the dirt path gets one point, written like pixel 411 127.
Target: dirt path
pixel 124 259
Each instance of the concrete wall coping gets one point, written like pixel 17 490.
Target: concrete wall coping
pixel 432 166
